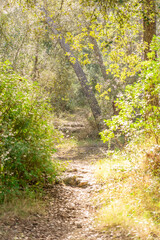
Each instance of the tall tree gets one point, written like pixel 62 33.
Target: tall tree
pixel 149 30
pixel 87 89
pixel 149 24
pixel 99 57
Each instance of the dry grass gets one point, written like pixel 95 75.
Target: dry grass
pixel 22 207
pixel 131 197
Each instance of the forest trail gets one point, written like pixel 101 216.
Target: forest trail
pixel 70 210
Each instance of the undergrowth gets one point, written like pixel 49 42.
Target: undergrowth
pixel 131 196
pixel 23 205
pixel 27 137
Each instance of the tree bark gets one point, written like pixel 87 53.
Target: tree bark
pixel 149 24
pixel 149 30
pixel 96 111
pixel 98 57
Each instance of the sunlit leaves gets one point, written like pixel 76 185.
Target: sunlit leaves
pixel 27 134
pixel 139 111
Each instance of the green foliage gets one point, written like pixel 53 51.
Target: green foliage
pixel 27 136
pixel 131 193
pixel 139 110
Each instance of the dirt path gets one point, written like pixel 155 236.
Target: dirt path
pixel 70 211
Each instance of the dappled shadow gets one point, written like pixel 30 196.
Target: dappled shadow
pixel 70 210
pixel 82 153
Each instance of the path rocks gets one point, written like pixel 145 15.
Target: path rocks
pixel 70 128
pixel 71 181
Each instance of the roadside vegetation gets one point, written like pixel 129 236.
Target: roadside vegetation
pixel 131 172
pixel 131 191
pixel 27 139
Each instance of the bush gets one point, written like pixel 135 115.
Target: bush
pixel 27 136
pixel 138 107
pixel 152 161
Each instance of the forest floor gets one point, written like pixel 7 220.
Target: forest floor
pixel 70 207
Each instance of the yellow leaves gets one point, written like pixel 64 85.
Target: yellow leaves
pixel 79 16
pixel 93 34
pixel 99 27
pixel 114 56
pixel 69 35
pixel 86 60
pixel 77 46
pixel 77 41
pixel 90 45
pixel 112 18
pixel 92 26
pixel 65 99
pixel 104 94
pixel 114 69
pixel 124 62
pixel 71 58
pixel 123 74
pixel 84 29
pixel 52 15
pixel 108 71
pixel 98 87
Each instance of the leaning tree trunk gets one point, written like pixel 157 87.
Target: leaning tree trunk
pixel 78 70
pixel 98 57
pixel 100 61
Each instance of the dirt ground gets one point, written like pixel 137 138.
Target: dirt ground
pixel 70 210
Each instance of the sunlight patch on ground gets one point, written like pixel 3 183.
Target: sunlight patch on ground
pixel 130 194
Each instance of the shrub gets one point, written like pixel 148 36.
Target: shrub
pixel 138 107
pixel 152 161
pixel 27 136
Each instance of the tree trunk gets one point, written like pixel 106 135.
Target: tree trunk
pixel 149 24
pixel 98 57
pixel 78 70
pixel 149 30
